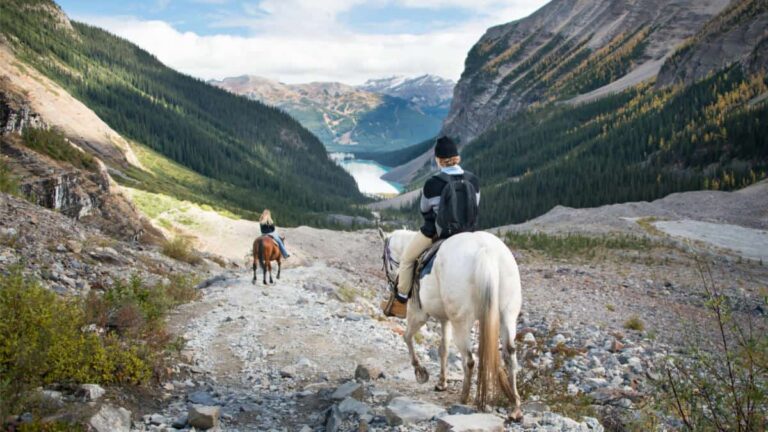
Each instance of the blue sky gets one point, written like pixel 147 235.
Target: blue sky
pixel 304 40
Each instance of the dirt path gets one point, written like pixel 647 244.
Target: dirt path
pixel 260 347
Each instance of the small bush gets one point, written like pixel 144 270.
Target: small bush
pixel 46 339
pixel 180 248
pixel 8 182
pixel 42 341
pixel 634 323
pixel 724 388
pixel 52 143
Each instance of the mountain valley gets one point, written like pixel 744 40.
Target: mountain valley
pixel 377 116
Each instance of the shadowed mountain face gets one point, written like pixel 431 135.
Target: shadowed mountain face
pixel 566 49
pixel 380 115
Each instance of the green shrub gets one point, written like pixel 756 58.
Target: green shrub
pixel 634 323
pixel 52 143
pixel 180 248
pixel 43 341
pixel 8 182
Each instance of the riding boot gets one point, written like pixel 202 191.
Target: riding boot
pixel 394 307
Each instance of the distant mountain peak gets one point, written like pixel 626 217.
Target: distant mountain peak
pixel 423 90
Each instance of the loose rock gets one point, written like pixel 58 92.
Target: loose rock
pixel 203 417
pixel 111 419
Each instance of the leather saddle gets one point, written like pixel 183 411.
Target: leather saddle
pixel 427 259
pixel 423 268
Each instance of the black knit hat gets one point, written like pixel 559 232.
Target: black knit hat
pixel 445 148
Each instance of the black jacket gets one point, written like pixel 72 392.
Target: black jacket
pixel 267 228
pixel 430 200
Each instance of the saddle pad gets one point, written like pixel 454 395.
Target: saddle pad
pixel 427 259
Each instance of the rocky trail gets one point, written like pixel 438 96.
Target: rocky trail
pixel 291 356
pixel 312 352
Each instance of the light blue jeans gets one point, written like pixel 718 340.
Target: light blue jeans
pixel 280 244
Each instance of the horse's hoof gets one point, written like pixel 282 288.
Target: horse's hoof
pixel 516 416
pixel 441 387
pixel 422 375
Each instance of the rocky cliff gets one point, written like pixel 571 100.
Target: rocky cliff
pixel 566 49
pixel 738 34
pixel 81 194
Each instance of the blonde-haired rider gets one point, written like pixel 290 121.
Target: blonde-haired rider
pixel 268 227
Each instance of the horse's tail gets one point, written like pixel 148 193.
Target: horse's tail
pixel 489 365
pixel 255 256
pixel 260 252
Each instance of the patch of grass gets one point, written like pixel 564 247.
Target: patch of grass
pixel 610 307
pixel 153 205
pixel 646 224
pixel 574 245
pixel 8 182
pixel 634 323
pixel 181 249
pixel 346 293
pixel 165 223
pixel 52 143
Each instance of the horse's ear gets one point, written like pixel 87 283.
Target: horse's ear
pixel 381 233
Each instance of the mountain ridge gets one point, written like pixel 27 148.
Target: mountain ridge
pixel 380 115
pixel 566 48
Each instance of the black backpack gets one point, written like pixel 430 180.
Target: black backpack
pixel 458 206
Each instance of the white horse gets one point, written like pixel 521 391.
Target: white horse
pixel 474 277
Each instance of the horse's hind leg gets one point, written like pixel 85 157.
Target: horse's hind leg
pixel 279 267
pixel 445 341
pixel 463 338
pixel 270 272
pixel 264 271
pixel 509 353
pixel 416 320
pixel 255 267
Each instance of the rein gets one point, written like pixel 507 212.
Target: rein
pixel 390 265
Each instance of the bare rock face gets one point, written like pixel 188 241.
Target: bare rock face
pixel 81 194
pixel 738 34
pixel 568 48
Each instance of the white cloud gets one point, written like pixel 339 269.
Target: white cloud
pixel 301 41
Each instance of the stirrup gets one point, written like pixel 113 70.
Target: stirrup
pixel 393 308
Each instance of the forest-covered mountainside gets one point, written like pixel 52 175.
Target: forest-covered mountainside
pixel 640 144
pixel 257 154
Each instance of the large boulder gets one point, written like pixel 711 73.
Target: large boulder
pixel 406 411
pixel 111 419
pixel 203 417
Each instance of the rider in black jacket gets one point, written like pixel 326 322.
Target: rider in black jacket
pixel 448 159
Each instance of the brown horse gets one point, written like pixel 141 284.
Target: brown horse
pixel 265 250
